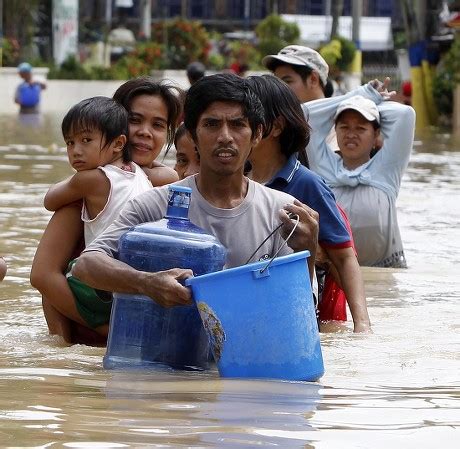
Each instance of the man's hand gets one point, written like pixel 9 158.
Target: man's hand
pixel 306 234
pixel 165 288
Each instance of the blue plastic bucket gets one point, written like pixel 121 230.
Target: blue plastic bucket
pixel 261 323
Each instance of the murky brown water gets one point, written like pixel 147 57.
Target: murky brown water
pixel 396 388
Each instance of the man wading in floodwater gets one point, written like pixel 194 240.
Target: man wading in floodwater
pixel 225 120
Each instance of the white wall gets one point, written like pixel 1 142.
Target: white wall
pixel 60 95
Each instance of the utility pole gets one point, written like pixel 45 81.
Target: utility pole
pixel 1 33
pixel 146 19
pixel 247 14
pixel 108 15
pixel 357 63
pixel 357 11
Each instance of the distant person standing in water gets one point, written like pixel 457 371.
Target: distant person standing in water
pixel 28 93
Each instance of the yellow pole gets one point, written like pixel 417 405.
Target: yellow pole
pixel 428 88
pixel 456 115
pixel 418 98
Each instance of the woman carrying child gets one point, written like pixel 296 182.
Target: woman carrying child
pixel 153 109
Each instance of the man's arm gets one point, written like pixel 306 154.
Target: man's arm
pixel 305 236
pixel 346 263
pixel 98 270
pixel 84 184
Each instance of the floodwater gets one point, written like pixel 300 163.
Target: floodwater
pixel 398 387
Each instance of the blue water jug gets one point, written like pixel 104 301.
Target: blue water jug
pixel 29 95
pixel 142 333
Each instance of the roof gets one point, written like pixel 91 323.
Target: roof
pixel 375 32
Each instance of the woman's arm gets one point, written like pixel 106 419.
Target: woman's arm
pixel 161 175
pixel 397 123
pixel 346 264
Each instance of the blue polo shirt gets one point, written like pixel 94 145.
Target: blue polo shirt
pixel 310 189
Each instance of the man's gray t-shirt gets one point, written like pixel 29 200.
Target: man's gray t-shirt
pixel 240 229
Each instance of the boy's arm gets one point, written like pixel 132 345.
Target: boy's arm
pixel 78 187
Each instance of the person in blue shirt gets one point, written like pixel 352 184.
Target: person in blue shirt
pixel 275 162
pixel 28 93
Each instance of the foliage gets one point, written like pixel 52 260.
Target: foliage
pixel 400 40
pixel 10 51
pixel 216 61
pixel 338 53
pixel 274 33
pixel 184 40
pixel 129 66
pixel 447 78
pixel 68 70
pixel 245 55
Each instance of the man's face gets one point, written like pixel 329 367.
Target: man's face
pixel 302 89
pixel 224 138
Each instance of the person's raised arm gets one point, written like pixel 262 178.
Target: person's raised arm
pixel 397 126
pixel 79 186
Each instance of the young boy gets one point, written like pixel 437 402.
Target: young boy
pixel 95 133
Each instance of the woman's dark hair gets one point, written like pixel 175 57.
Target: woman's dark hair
pixel 146 85
pixel 226 87
pixel 98 113
pixel 278 100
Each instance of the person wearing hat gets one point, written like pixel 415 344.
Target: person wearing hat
pixel 365 185
pixel 28 93
pixel 303 69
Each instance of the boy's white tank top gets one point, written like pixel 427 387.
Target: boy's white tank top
pixel 124 185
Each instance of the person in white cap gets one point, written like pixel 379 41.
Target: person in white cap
pixel 365 185
pixel 303 69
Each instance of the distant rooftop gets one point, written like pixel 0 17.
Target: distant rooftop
pixel 375 32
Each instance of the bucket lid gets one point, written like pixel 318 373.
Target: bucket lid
pixel 249 267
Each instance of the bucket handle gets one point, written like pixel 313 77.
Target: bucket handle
pixel 297 220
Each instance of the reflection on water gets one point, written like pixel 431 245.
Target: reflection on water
pixel 395 388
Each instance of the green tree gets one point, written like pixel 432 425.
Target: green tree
pixel 274 33
pixel 184 40
pixel 19 20
pixel 447 78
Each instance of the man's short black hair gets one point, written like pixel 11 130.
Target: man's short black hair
pixel 226 87
pixel 278 101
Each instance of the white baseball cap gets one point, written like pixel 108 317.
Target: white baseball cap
pixel 299 55
pixel 365 107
